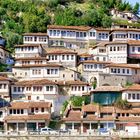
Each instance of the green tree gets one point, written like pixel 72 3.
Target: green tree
pixel 136 8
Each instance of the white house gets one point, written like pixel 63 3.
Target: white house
pixel 28 50
pixel 134 49
pixel 36 38
pixel 27 116
pixel 65 57
pixel 117 51
pixel 5 88
pixel 132 93
pixel 123 69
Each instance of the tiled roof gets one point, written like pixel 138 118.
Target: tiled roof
pixel 73 116
pixel 116 42
pixel 90 108
pixel 126 29
pixel 135 87
pixel 103 29
pixel 107 118
pixel 78 28
pixel 27 105
pixel 38 65
pixel 2 78
pixel 32 58
pixel 85 55
pixel 35 34
pixel 95 62
pixel 131 119
pixel 90 117
pixel 27 117
pixel 107 109
pixel 58 50
pixel 35 82
pixel 134 42
pixel 74 82
pixel 133 66
pixel 28 45
pixel 107 88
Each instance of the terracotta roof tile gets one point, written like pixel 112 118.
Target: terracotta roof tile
pixel 107 88
pixel 90 117
pixel 32 58
pixel 74 82
pixel 35 82
pixel 35 34
pixel 73 116
pixel 38 65
pixel 134 42
pixel 27 105
pixel 58 50
pixel 107 109
pixel 135 87
pixel 85 55
pixel 2 78
pixel 131 119
pixel 126 29
pixel 28 117
pixel 90 108
pixel 133 66
pixel 78 28
pixel 95 62
pixel 28 45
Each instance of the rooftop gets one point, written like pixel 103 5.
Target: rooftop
pixel 35 82
pixel 27 105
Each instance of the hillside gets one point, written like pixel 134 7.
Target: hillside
pixel 19 16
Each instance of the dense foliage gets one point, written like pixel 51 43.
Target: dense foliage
pixel 19 16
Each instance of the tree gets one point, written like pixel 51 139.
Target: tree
pixel 136 8
pixel 122 104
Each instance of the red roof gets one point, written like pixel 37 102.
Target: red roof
pixel 131 124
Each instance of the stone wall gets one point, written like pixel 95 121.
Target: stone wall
pixel 38 137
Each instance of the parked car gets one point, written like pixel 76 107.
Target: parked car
pixel 104 131
pixel 64 131
pixel 47 130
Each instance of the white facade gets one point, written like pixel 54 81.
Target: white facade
pixel 36 38
pixel 22 51
pixel 131 96
pixel 117 53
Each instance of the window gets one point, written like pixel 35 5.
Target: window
pixel 95 66
pixel 48 71
pixel 83 88
pixel 138 49
pixel 32 110
pixel 14 111
pixel 129 96
pixel 118 70
pixel 63 75
pixel 133 49
pixel 19 89
pixel 63 57
pixel 123 70
pixel 15 89
pixel 127 71
pixel 42 109
pixel 18 111
pixel 110 48
pixel 67 57
pixel 10 111
pixel 22 111
pixel 138 96
pixel 37 98
pixel 133 96
pixel 72 57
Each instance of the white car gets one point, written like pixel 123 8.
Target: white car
pixel 47 130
